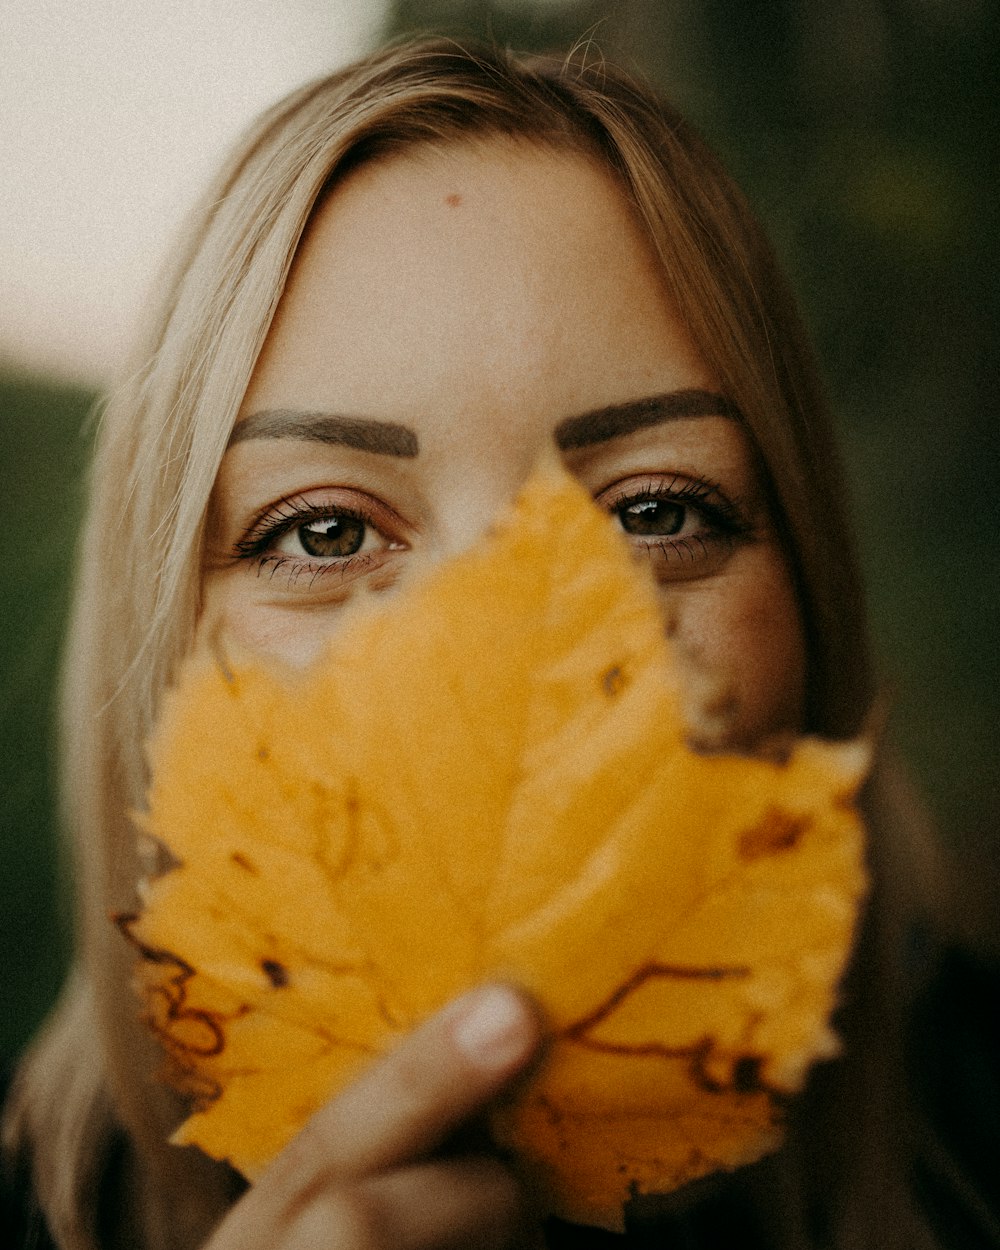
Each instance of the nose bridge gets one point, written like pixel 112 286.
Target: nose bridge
pixel 481 483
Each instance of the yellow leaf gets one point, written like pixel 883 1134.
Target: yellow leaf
pixel 487 777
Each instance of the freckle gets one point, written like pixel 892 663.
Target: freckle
pixel 453 199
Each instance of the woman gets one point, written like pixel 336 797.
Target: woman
pixel 413 277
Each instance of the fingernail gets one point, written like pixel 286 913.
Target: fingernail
pixel 493 1029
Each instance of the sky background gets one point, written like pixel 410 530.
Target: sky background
pixel 114 115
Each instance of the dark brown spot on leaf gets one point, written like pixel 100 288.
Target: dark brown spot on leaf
pixel 275 972
pixel 778 831
pixel 613 680
pixel 746 1075
pixel 247 865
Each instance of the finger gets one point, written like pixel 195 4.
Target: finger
pixel 464 1203
pixel 442 1075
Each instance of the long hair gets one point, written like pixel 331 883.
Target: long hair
pixel 90 1075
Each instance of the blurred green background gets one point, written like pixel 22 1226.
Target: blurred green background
pixel 866 134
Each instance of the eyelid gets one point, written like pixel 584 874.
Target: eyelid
pixel 299 507
pixel 722 522
pixel 681 487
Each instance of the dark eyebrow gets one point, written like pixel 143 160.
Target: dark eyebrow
pixel 601 424
pixel 383 438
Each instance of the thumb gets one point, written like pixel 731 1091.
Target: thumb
pixel 445 1073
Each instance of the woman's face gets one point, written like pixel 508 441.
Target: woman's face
pixel 451 314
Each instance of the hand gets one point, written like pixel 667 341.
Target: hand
pixel 362 1174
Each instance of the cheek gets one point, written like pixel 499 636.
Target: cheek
pixel 738 638
pixel 740 644
pixel 233 615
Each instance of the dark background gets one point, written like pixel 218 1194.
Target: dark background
pixel 866 134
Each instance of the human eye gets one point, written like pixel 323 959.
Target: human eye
pixel 308 537
pixel 685 526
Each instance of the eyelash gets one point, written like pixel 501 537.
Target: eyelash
pixel 724 525
pixel 724 521
pixel 292 513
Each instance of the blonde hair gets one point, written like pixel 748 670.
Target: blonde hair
pixel 161 440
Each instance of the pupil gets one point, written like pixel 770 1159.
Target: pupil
pixel 333 536
pixel 659 517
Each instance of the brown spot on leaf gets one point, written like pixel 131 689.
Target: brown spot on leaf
pixel 247 865
pixel 275 972
pixel 613 680
pixel 746 1075
pixel 778 831
pixel 453 199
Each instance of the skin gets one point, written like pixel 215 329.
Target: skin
pixel 481 303
pixel 363 1174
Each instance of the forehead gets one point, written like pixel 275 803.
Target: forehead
pixel 475 269
pixel 533 202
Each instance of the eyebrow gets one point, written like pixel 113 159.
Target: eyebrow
pixel 600 424
pixel 382 438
